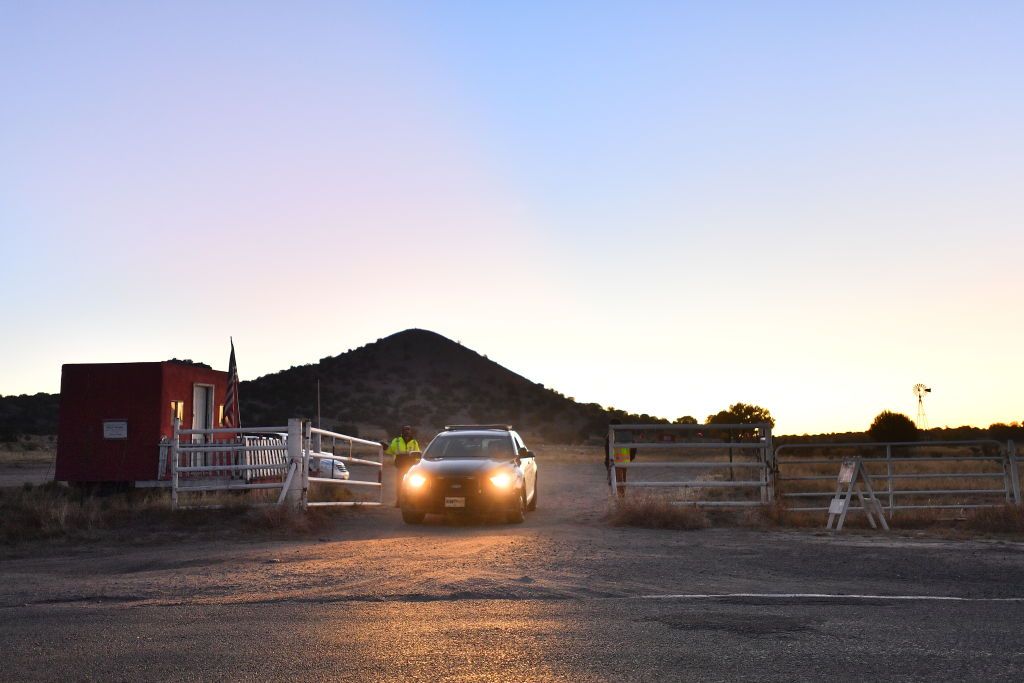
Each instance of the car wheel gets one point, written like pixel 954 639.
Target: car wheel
pixel 517 515
pixel 410 517
pixel 533 501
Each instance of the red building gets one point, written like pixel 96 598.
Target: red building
pixel 113 416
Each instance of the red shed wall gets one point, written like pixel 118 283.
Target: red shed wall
pixel 138 393
pixel 93 393
pixel 178 379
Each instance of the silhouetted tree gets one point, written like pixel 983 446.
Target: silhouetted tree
pixel 890 426
pixel 1003 431
pixel 742 413
pixel 686 420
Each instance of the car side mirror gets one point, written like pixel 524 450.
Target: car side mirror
pixel 525 453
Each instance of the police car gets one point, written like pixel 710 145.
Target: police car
pixel 472 470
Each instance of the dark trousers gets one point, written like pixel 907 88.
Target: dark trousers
pixel 403 462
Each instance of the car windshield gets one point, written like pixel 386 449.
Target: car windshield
pixel 493 446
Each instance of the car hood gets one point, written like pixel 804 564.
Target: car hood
pixel 460 467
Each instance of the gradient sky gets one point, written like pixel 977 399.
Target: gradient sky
pixel 664 207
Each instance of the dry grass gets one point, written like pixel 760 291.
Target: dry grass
pixel 27 454
pixel 53 511
pixel 319 491
pixel 573 454
pixel 1002 519
pixel 1008 519
pixel 654 512
pixel 288 520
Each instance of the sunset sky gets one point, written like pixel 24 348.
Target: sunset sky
pixel 663 207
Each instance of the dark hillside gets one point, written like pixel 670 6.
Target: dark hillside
pixel 422 378
pixel 36 414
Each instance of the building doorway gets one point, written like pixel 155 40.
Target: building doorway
pixel 202 409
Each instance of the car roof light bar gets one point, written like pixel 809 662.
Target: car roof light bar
pixel 456 428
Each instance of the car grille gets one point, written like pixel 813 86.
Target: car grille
pixel 458 486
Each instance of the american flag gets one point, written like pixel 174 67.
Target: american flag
pixel 232 418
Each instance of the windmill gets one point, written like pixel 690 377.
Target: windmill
pixel 920 390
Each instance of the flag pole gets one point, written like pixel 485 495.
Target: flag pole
pixel 237 401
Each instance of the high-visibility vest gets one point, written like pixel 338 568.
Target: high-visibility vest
pixel 401 446
pixel 621 455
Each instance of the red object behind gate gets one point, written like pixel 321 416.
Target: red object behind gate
pixel 113 416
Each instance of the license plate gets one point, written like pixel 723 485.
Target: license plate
pixel 455 502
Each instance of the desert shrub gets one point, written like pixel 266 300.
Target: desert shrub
pixel 891 426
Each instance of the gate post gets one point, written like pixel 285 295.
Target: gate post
pixel 888 476
pixel 769 467
pixel 1011 454
pixel 296 494
pixel 174 464
pixel 611 462
pixel 307 448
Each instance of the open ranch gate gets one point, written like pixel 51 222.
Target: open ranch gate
pixel 715 465
pixel 286 459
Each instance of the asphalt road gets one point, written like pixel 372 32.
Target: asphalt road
pixel 561 597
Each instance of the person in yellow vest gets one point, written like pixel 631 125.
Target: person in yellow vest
pixel 405 450
pixel 621 455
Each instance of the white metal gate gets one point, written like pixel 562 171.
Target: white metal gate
pixel 359 455
pixel 257 458
pixel 918 475
pixel 709 455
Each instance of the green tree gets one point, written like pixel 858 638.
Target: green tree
pixel 686 420
pixel 891 426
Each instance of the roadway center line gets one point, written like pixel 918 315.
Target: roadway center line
pixel 822 596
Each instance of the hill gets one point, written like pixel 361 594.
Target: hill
pixel 421 378
pixel 25 414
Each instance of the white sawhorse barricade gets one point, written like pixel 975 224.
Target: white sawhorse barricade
pixel 256 458
pixel 855 479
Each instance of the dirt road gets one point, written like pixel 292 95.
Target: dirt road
pixel 562 596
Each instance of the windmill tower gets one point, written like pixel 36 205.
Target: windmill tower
pixel 920 390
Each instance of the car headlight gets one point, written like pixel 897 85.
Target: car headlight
pixel 416 481
pixel 502 480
